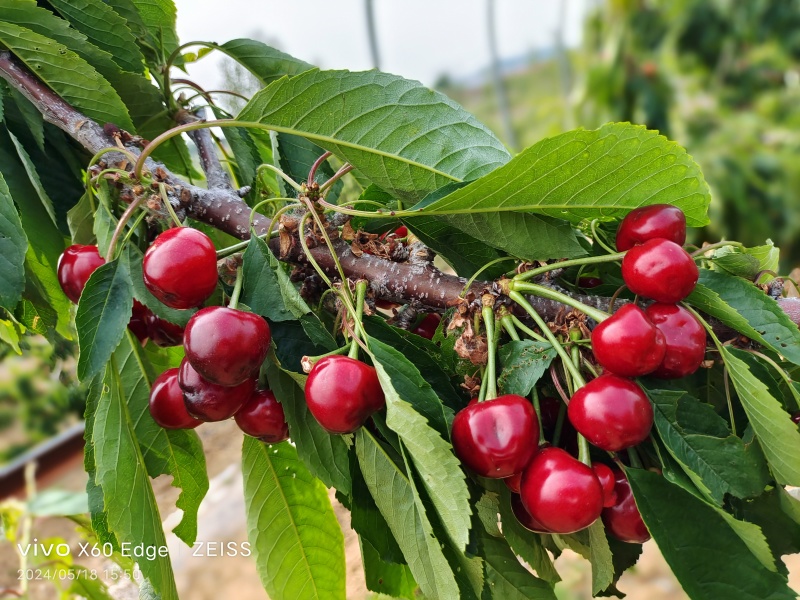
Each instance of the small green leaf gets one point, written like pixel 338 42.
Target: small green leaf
pixel 13 246
pixel 600 557
pixel 296 540
pixel 690 533
pixel 265 62
pixel 524 362
pixel 58 503
pixel 103 314
pixel 80 219
pixel 158 19
pixel 387 578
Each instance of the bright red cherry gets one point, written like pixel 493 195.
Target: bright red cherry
pixel 262 417
pixel 342 393
pixel 75 266
pixel 427 327
pixel 138 322
pixel 661 270
pixel 496 438
pixel 606 478
pixel 180 267
pixel 163 333
pixel 685 337
pixel 611 412
pixel 560 492
pixel 524 517
pixel 623 520
pixel 208 401
pixel 650 222
pixel 166 403
pixel 513 482
pixel 225 345
pixel 627 343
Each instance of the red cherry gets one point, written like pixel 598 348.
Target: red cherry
pixel 401 231
pixel 560 492
pixel 661 270
pixel 795 417
pixel 427 327
pixel 606 478
pixel 627 343
pixel 685 337
pixel 166 403
pixel 138 322
pixel 623 520
pixel 75 266
pixel 589 282
pixel 163 333
pixel 262 417
pixel 513 482
pixel 496 438
pixel 208 401
pixel 524 517
pixel 180 267
pixel 650 222
pixel 225 345
pixel 342 393
pixel 611 412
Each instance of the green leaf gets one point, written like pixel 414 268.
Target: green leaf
pixel 600 557
pixel 34 122
pixel 174 452
pixel 400 135
pixel 58 503
pixel 524 362
pixel 390 487
pixel 105 29
pixel 33 177
pixel 69 75
pixel 158 19
pixel 80 220
pixel 583 174
pixel 13 246
pixel 690 533
pixel 699 439
pixel 129 502
pixel 325 455
pixel 296 540
pixel 771 513
pixel 265 62
pixel 10 335
pixel 103 314
pixel 742 306
pixel 776 433
pixel 386 578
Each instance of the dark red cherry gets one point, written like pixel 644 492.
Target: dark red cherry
pixel 342 393
pixel 75 266
pixel 427 327
pixel 650 222
pixel 496 438
pixel 795 417
pixel 138 322
pixel 685 337
pixel 623 520
pixel 606 478
pixel 166 403
pixel 513 482
pixel 627 343
pixel 208 401
pixel 661 270
pixel 560 492
pixel 180 267
pixel 163 333
pixel 611 412
pixel 262 417
pixel 225 345
pixel 524 517
pixel 589 282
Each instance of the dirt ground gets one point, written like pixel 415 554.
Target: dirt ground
pixel 222 519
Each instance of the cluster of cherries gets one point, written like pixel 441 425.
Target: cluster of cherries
pixel 224 347
pixel 555 492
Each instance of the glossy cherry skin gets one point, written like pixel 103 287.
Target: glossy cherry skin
pixel 606 478
pixel 661 270
pixel 75 265
pixel 342 393
pixel 524 517
pixel 685 337
pixel 163 333
pixel 180 267
pixel 138 322
pixel 795 417
pixel 166 403
pixel 612 412
pixel 628 344
pixel 427 327
pixel 262 417
pixel 513 482
pixel 560 492
pixel 496 438
pixel 208 401
pixel 650 222
pixel 623 520
pixel 225 345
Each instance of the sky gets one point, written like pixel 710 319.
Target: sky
pixel 418 39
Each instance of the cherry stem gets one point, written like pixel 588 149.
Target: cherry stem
pixel 598 239
pixel 551 294
pixel 481 270
pixel 701 251
pixel 727 386
pixel 297 187
pixel 346 168
pixel 491 366
pixel 254 210
pixel 634 458
pixel 309 361
pixel 237 289
pixel 557 383
pixel 170 209
pixel 482 392
pixel 590 260
pixel 312 172
pixel 508 325
pixel 132 229
pixel 123 220
pixel 781 372
pixel 527 330
pixel 361 294
pixel 537 409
